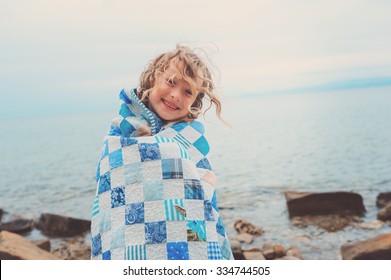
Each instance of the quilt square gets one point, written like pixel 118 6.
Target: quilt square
pixel 177 251
pixel 106 255
pixel 126 128
pixel 155 232
pixel 149 151
pixel 133 173
pixel 152 170
pixel 134 234
pixel 105 149
pixel 117 217
pixel 214 252
pixel 115 159
pixel 135 252
pixel 104 166
pixel 179 138
pixel 117 197
pixel 125 111
pixel 202 145
pixel 174 209
pixel 176 231
pixel 196 230
pixel 117 253
pixel 117 177
pixel 113 143
pixel 173 188
pixel 178 127
pixel 208 211
pixel 189 170
pixel 104 183
pixel 196 155
pixel 104 201
pixel 198 126
pixel 172 169
pixel 104 221
pixel 198 250
pixel 134 193
pixel 220 227
pixel 193 189
pixel 169 150
pixel 154 211
pixel 128 141
pixel 106 241
pixel 118 237
pixel 191 134
pixel 134 213
pixel 208 190
pixel 96 245
pixel 131 154
pixel 211 234
pixel 156 251
pixel 153 190
pixel 226 252
pixel 204 163
pixel 194 209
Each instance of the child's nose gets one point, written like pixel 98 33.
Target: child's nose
pixel 175 93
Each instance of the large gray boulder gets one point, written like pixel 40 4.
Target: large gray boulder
pixel 62 226
pixel 309 203
pixel 377 248
pixel 15 247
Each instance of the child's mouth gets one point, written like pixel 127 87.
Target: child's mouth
pixel 170 105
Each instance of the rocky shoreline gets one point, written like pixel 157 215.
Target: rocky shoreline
pixel 67 238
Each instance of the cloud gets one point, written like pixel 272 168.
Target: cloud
pixel 79 48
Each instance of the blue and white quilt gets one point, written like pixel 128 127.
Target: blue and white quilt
pixel 155 196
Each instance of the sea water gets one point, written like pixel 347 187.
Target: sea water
pixel 338 141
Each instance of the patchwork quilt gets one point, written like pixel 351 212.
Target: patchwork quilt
pixel 155 197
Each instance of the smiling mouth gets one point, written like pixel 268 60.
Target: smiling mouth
pixel 170 105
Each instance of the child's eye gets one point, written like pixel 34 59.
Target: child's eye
pixel 170 82
pixel 188 92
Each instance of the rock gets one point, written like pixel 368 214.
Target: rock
pixel 291 258
pixel 56 225
pixel 279 251
pixel 383 199
pixel 74 249
pixel 245 237
pixel 243 226
pixel 15 247
pixel 1 214
pixel 236 250
pixel 18 226
pixel 377 248
pixel 385 213
pixel 306 203
pixel 43 244
pixel 371 225
pixel 268 251
pixel 253 254
pixel 294 252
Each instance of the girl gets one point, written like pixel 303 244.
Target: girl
pixel 155 196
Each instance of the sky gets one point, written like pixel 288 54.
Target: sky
pixel 60 57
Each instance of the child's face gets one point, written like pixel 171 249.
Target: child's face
pixel 172 97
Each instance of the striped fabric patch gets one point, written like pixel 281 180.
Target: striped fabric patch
pixel 179 138
pixel 95 206
pixel 135 252
pixel 163 139
pixel 174 210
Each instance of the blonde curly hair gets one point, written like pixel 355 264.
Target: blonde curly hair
pixel 194 71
